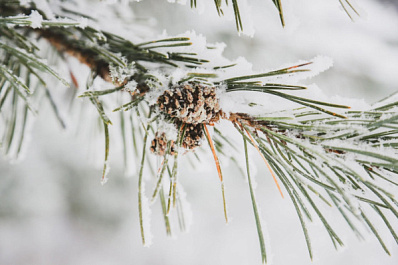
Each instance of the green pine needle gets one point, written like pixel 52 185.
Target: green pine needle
pixel 254 204
pixel 278 5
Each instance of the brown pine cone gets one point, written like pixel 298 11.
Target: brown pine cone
pixel 193 136
pixel 190 103
pixel 159 145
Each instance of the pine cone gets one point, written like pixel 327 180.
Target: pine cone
pixel 190 103
pixel 159 145
pixel 192 136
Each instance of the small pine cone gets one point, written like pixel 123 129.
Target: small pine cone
pixel 159 145
pixel 193 136
pixel 190 103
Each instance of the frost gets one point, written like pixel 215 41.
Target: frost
pixel 36 19
pixel 178 75
pixel 168 128
pixel 146 217
pixel 119 73
pixel 200 46
pixel 44 6
pixel 157 84
pixel 313 68
pixel 104 181
pixel 83 22
pixel 100 36
pixel 130 86
pixel 107 169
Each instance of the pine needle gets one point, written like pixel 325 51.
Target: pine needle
pixel 254 204
pixel 375 232
pixel 164 210
pixel 266 162
pixel 140 187
pixel 278 5
pixel 173 176
pixel 213 150
pixel 160 176
pixel 105 168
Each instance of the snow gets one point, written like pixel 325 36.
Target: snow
pixel 105 178
pixel 62 164
pixel 104 181
pixel 146 217
pixel 158 84
pixel 83 22
pixel 168 128
pixel 130 86
pixel 46 7
pixel 120 73
pixel 36 19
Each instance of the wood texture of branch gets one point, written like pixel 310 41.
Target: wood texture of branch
pixel 85 56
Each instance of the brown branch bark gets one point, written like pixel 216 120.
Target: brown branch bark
pixel 85 56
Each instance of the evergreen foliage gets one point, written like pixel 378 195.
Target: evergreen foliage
pixel 320 152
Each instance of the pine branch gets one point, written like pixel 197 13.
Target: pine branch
pixel 348 8
pixel 345 158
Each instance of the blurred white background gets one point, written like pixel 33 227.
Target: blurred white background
pixel 53 209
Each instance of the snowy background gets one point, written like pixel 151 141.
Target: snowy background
pixel 53 209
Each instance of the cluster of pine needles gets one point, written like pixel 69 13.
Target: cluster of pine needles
pixel 345 159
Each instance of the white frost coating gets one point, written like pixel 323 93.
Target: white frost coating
pixel 44 6
pixel 317 65
pixel 178 75
pixel 104 181
pixel 105 178
pixel 119 74
pixel 256 103
pixel 146 217
pixel 83 22
pixel 242 101
pixel 130 86
pixel 168 128
pixel 201 48
pixel 230 102
pixel 157 87
pixel 152 96
pixel 36 19
pixel 242 67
